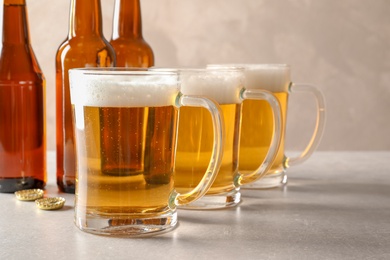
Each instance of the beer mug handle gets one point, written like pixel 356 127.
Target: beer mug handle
pixel 320 123
pixel 216 156
pixel 259 94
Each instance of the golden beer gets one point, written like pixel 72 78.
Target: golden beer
pixel 133 188
pixel 195 140
pixel 256 134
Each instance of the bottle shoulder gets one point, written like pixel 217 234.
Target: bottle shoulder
pixel 82 51
pixel 133 52
pixel 19 63
pixel 82 40
pixel 83 45
pixel 130 41
pixel 131 46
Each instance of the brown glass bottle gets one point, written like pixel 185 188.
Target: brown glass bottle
pixel 84 47
pixel 127 40
pixel 131 51
pixel 22 105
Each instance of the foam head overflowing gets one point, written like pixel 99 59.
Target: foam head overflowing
pixel 110 88
pixel 271 77
pixel 222 86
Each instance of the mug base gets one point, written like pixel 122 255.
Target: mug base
pixel 267 182
pixel 126 226
pixel 218 201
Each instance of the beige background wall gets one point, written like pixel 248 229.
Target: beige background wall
pixel 342 46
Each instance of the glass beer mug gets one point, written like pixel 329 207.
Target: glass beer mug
pixel 195 134
pixel 134 195
pixel 256 116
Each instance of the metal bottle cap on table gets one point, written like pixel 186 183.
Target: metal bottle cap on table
pixel 29 195
pixel 50 203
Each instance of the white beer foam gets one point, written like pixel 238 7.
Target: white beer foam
pixel 271 77
pixel 116 89
pixel 224 87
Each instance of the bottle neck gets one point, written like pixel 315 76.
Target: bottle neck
pixel 15 22
pixel 127 19
pixel 85 18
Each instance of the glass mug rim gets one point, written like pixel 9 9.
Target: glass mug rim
pixel 158 71
pixel 197 70
pixel 106 71
pixel 250 66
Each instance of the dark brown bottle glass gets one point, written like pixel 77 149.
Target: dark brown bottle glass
pixel 131 51
pixel 22 105
pixel 84 47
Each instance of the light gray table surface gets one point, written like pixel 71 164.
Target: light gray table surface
pixel 335 206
